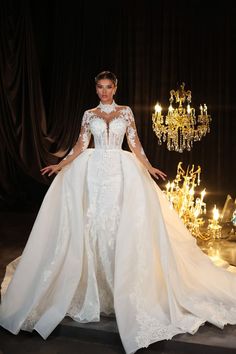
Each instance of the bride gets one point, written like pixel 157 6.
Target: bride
pixel 105 241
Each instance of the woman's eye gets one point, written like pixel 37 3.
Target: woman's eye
pixel 104 87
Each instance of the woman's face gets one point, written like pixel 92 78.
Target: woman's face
pixel 105 90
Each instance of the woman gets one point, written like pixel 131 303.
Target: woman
pixel 106 241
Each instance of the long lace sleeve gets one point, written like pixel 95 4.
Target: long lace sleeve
pixel 133 139
pixel 82 142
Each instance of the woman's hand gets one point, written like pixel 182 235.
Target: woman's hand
pixel 50 170
pixel 157 173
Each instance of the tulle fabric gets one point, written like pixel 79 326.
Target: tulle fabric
pixel 114 231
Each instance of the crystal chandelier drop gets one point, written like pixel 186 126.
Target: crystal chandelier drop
pixel 180 127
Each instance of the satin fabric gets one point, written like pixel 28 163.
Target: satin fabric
pixel 161 283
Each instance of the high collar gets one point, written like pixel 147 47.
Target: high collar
pixel 107 108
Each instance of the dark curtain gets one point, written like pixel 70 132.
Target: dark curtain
pixel 50 52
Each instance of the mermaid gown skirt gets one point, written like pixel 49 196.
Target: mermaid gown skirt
pixel 106 241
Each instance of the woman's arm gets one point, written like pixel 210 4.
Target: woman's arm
pixel 136 147
pixel 81 145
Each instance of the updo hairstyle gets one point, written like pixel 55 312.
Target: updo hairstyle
pixel 106 75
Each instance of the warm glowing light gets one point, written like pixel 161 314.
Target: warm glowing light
pixel 214 229
pixel 203 193
pixel 191 192
pixel 180 193
pixel 180 127
pixel 215 214
pixel 158 108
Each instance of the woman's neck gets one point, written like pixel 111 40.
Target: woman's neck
pixel 107 102
pixel 107 107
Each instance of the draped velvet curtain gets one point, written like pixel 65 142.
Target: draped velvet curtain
pixel 50 52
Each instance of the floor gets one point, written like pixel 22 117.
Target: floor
pixel 98 338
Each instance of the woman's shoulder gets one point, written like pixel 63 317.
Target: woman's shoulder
pixel 88 113
pixel 124 108
pixel 90 110
pixel 121 106
pixel 127 112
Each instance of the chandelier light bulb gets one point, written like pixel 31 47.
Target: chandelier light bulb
pixel 191 192
pixel 203 193
pixel 158 108
pixel 215 213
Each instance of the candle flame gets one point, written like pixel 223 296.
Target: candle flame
pixel 203 193
pixel 215 213
pixel 191 192
pixel 158 108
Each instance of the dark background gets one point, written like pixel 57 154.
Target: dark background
pixel 50 52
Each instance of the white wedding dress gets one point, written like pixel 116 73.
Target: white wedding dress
pixel 107 241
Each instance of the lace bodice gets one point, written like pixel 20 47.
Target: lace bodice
pixel 108 134
pixel 109 130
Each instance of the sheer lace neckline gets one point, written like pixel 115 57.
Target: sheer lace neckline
pixel 107 108
pixel 111 116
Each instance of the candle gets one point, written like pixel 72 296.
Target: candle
pixel 215 214
pixel 214 229
pixel 191 192
pixel 203 193
pixel 198 176
pixel 201 109
pixel 170 109
pixel 158 109
pixel 188 109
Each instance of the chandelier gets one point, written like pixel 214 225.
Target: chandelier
pixel 180 127
pixel 181 195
